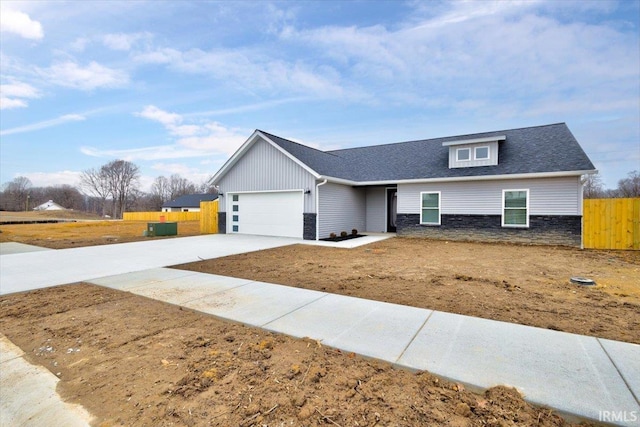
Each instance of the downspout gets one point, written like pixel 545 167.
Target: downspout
pixel 318 208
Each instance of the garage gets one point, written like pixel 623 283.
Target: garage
pixel 272 213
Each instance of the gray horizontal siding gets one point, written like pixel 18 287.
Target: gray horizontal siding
pixel 264 168
pixel 342 208
pixel 548 196
pixel 376 214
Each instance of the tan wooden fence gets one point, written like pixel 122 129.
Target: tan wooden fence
pixel 209 217
pixel 611 224
pixel 155 216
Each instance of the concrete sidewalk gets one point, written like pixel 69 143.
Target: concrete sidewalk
pixel 579 376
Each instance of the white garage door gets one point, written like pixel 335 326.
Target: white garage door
pixel 266 214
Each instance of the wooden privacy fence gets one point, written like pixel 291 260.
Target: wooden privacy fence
pixel 155 216
pixel 209 217
pixel 611 224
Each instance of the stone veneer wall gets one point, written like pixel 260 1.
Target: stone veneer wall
pixel 543 229
pixel 309 226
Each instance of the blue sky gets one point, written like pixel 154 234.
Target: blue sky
pixel 177 86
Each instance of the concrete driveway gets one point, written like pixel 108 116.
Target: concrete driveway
pixel 34 270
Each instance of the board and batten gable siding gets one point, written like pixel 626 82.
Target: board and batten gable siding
pixel 376 213
pixel 548 196
pixel 341 208
pixel 264 168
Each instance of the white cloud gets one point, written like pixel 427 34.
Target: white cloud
pixel 44 124
pixel 79 44
pixel 159 152
pixel 475 53
pixel 14 95
pixel 254 71
pixel 204 137
pixel 16 22
pixel 9 103
pixel 19 90
pixel 90 77
pixel 157 56
pixel 122 41
pixel 47 179
pixel 154 113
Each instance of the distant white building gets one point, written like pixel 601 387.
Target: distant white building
pixel 49 206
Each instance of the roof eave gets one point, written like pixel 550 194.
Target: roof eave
pixel 461 178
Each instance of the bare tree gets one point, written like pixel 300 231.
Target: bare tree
pixel 160 192
pixel 122 177
pixel 96 182
pixel 65 195
pixel 207 186
pixel 179 186
pixel 15 194
pixel 592 186
pixel 629 186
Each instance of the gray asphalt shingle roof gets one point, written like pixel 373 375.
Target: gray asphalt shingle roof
pixel 539 149
pixel 190 201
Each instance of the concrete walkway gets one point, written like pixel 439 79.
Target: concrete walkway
pixel 576 375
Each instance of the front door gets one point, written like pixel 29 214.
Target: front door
pixel 392 209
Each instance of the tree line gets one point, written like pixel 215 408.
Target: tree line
pixel 109 190
pixel 627 187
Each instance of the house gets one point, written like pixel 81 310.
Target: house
pixel 49 206
pixel 520 185
pixel 188 203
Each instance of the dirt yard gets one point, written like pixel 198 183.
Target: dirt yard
pixel 131 361
pixel 64 235
pixel 513 283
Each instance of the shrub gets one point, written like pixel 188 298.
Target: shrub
pixel 332 235
pixel 343 234
pixel 354 232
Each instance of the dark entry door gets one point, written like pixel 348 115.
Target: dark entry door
pixel 392 209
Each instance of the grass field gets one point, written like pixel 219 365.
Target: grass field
pixel 87 231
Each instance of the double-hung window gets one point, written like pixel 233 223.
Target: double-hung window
pixel 515 208
pixel 430 208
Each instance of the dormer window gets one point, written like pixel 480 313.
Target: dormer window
pixel 481 153
pixel 463 154
pixel 467 153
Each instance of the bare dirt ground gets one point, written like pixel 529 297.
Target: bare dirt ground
pixel 513 283
pixel 82 233
pixel 132 361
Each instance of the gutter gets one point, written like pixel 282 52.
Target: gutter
pixel 318 208
pixel 459 178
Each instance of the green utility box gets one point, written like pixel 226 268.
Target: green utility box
pixel 162 229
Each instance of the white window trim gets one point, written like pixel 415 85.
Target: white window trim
pixel 439 208
pixel 458 156
pixel 475 153
pixel 504 192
